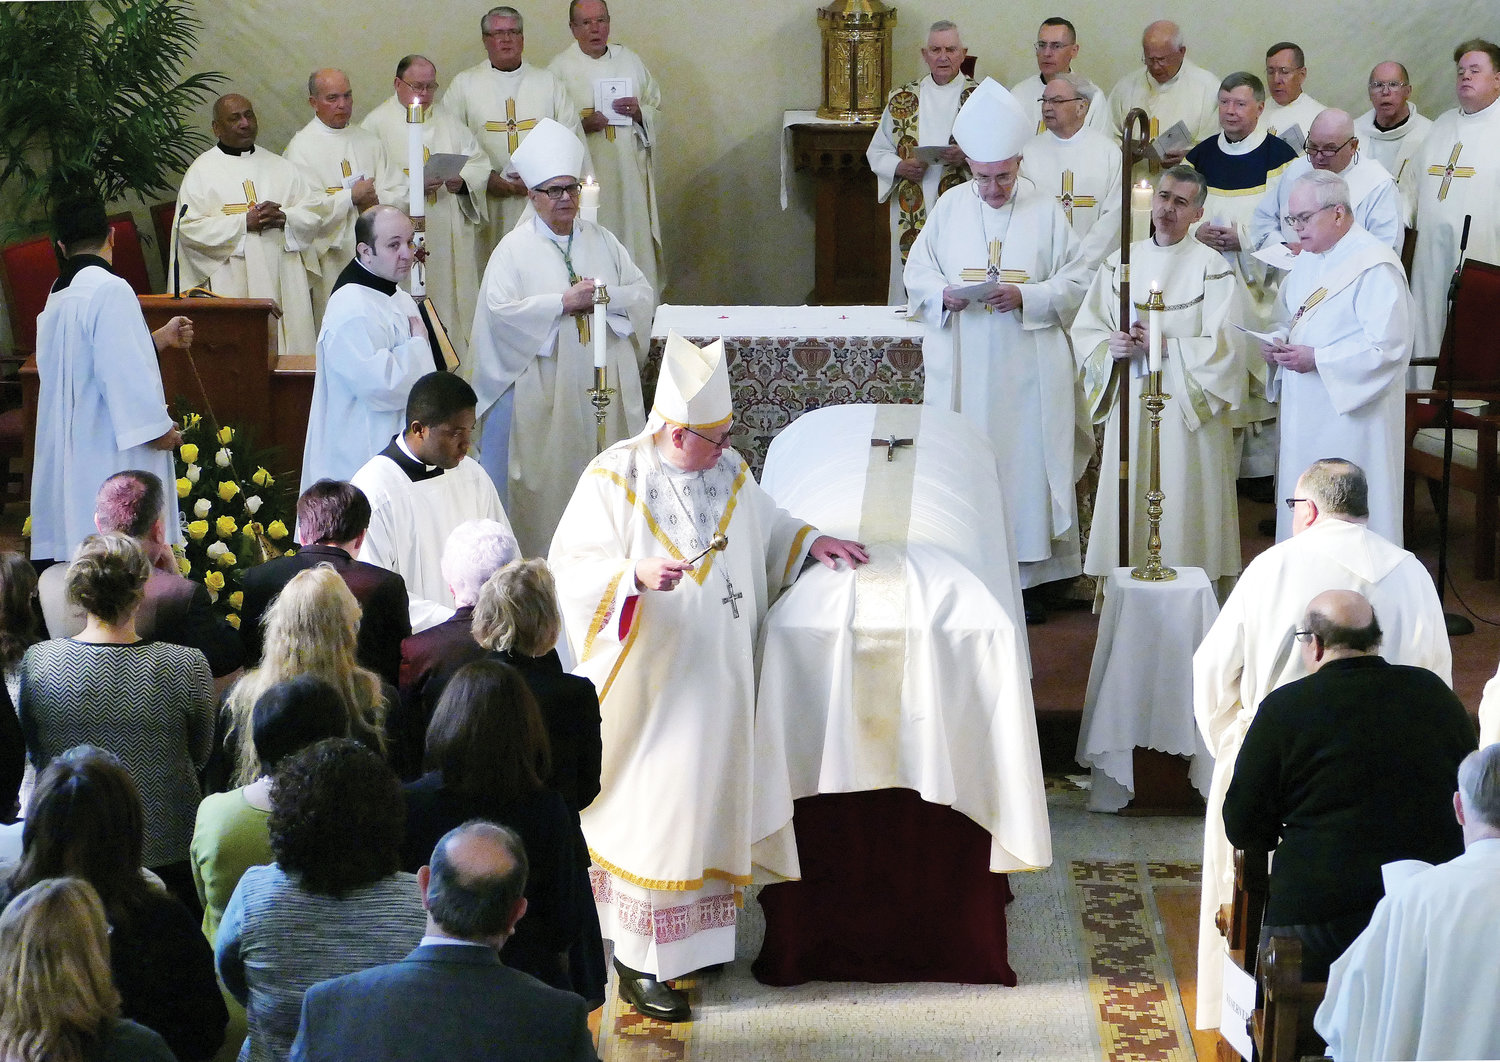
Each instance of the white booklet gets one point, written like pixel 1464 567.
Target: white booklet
pixel 1295 138
pixel 974 292
pixel 932 154
pixel 609 89
pixel 443 167
pixel 1277 254
pixel 1175 138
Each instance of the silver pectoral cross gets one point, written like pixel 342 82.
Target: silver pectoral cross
pixel 732 598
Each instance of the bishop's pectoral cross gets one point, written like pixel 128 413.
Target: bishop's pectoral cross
pixel 510 127
pixel 732 597
pixel 994 273
pixel 348 172
pixel 1069 200
pixel 242 208
pixel 1450 171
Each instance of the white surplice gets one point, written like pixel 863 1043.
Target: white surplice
pixel 1028 94
pixel 1203 369
pixel 454 219
pixel 1392 148
pixel 1489 712
pixel 1353 404
pixel 670 830
pixel 1251 650
pixel 1011 374
pixel 1372 191
pixel 1277 120
pixel 218 252
pixel 99 403
pixel 622 155
pixel 413 509
pixel 368 361
pixel 1407 987
pixel 337 158
pixel 523 340
pixel 1083 174
pixel 1191 97
pixel 500 107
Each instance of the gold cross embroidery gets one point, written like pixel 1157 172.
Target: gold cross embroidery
pixel 1069 200
pixel 993 272
pixel 510 127
pixel 1450 171
pixel 406 172
pixel 348 172
pixel 242 208
pixel 1153 130
pixel 1312 300
pixel 609 130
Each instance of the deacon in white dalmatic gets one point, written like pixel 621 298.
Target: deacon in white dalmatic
pixel 532 350
pixel 667 633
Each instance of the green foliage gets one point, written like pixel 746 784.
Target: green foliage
pixel 90 96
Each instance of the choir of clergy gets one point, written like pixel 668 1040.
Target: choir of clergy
pixel 1290 111
pixel 1056 48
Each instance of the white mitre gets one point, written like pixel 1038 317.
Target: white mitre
pixel 991 126
pixel 549 150
pixel 693 391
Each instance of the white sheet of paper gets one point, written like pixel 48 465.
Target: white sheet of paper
pixel 1295 138
pixel 353 179
pixel 1239 1005
pixel 443 167
pixel 1264 337
pixel 932 154
pixel 976 291
pixel 1276 254
pixel 609 89
pixel 1175 138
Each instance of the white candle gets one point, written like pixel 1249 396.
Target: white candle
pixel 1140 211
pixel 1154 339
pixel 599 326
pixel 588 201
pixel 415 191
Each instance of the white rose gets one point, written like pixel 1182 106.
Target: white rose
pixel 217 550
pixel 193 472
pixel 223 457
pixel 253 504
pixel 202 508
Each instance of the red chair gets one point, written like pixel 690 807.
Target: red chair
pixel 129 258
pixel 27 270
pixel 161 223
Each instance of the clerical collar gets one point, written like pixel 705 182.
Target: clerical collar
pixel 1255 139
pixel 1390 128
pixel 546 230
pixel 75 265
pixel 330 129
pixel 401 456
pixel 356 273
pixel 235 151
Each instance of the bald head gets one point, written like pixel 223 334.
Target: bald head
pixel 1162 50
pixel 1347 608
pixel 1390 89
pixel 1339 623
pixel 234 121
pixel 474 886
pixel 331 97
pixel 1332 124
pixel 1331 142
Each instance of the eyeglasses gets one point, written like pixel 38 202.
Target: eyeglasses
pixel 1065 99
pixel 419 86
pixel 718 443
pixel 1291 503
pixel 1002 180
pixel 504 33
pixel 557 191
pixel 1281 71
pixel 1051 46
pixel 1296 221
pixel 1387 86
pixel 1324 150
pixel 1305 636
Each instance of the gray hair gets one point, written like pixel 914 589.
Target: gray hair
pixel 1244 79
pixel 312 79
pixel 503 12
pixel 942 25
pixel 1176 42
pixel 479 906
pixel 1479 785
pixel 1328 188
pixel 1079 84
pixel 1332 634
pixel 476 550
pixel 1185 173
pixel 1337 487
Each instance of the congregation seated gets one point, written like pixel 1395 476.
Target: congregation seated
pixel 86 820
pixel 334 902
pixel 150 703
pixel 487 753
pixel 18 632
pixel 310 629
pixel 62 1005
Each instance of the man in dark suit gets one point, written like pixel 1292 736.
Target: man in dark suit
pixel 451 999
pixel 1342 771
pixel 332 517
pixel 174 609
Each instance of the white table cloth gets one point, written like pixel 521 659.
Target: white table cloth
pixel 783 322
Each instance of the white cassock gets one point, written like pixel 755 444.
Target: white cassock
pixel 1251 650
pixel 454 219
pixel 368 361
pixel 1489 712
pixel 337 158
pixel 1457 173
pixel 669 832
pixel 622 154
pixel 1191 97
pixel 1028 94
pixel 413 509
pixel 1372 191
pixel 522 341
pixel 1277 120
pixel 100 402
pixel 1395 149
pixel 937 107
pixel 218 252
pixel 1083 174
pixel 500 107
pixel 1011 374
pixel 1203 369
pixel 1352 306
pixel 1406 988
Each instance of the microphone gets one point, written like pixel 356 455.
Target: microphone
pixel 177 251
pixel 1463 247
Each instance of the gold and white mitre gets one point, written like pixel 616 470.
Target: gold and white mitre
pixel 991 125
pixel 693 391
pixel 550 150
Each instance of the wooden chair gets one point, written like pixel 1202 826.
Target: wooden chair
pixel 1282 1027
pixel 129 258
pixel 1476 376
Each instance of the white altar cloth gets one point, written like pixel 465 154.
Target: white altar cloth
pixel 1140 692
pixel 782 322
pixel 940 701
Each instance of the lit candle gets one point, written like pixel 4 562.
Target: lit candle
pixel 1154 339
pixel 588 202
pixel 601 298
pixel 1140 211
pixel 415 191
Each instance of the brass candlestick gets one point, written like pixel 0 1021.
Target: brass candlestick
pixel 600 392
pixel 1153 571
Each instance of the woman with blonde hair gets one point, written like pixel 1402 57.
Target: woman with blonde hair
pixel 57 1000
pixel 311 628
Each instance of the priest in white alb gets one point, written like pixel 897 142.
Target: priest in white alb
pixel 255 225
pixel 534 346
pixel 1344 327
pixel 1457 176
pixel 993 278
pixel 1289 112
pixel 501 100
pixel 1203 369
pixel 1251 650
pixel 665 627
pixel 351 165
pixel 623 155
pixel 919 115
pixel 1169 87
pixel 456 209
pixel 1392 130
pixel 1056 47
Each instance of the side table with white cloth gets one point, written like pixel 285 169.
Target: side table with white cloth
pixel 897 769
pixel 1140 691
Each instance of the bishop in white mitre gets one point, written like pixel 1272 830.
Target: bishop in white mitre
pixel 533 341
pixel 623 155
pixel 999 354
pixel 255 225
pixel 1457 176
pixel 1203 369
pixel 501 100
pixel 454 215
pixel 1251 650
pixel 351 165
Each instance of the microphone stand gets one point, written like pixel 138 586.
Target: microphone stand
pixel 1457 625
pixel 177 253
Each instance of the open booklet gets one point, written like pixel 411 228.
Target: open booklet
pixel 1295 138
pixel 1174 140
pixel 444 166
pixel 974 292
pixel 932 154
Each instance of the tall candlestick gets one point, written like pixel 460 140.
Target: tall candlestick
pixel 416 194
pixel 1140 211
pixel 601 303
pixel 588 200
pixel 1154 340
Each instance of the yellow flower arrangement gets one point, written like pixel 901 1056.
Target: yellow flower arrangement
pixel 188 452
pixel 184 487
pixel 277 530
pixel 228 489
pixel 225 526
pixel 226 435
pixel 197 529
pixel 214 581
